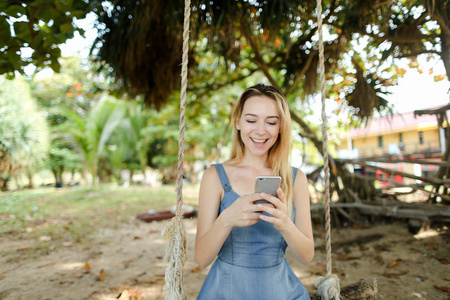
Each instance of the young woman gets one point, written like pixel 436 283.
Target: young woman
pixel 250 239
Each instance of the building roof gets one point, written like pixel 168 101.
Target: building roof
pixel 397 123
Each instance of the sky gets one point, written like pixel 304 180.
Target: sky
pixel 414 91
pixel 420 91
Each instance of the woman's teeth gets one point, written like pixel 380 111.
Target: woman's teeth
pixel 258 141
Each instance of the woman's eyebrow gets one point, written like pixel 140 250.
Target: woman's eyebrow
pixel 254 115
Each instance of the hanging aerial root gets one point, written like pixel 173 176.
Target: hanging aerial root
pixel 174 257
pixel 328 287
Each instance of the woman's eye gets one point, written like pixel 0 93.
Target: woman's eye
pixel 271 123
pixel 251 121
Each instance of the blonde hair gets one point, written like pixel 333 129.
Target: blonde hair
pixel 278 156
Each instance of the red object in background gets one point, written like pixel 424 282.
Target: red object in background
pixel 381 175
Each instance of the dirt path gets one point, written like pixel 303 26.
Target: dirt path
pixel 126 263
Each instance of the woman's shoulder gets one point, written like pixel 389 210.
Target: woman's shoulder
pixel 212 172
pixel 210 179
pixel 298 174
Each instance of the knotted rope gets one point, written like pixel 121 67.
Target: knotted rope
pixel 328 286
pixel 174 232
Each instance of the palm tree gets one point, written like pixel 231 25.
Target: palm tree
pixel 24 134
pixel 91 134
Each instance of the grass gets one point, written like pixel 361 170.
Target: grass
pixel 52 218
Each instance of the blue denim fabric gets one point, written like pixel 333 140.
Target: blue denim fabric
pixel 251 263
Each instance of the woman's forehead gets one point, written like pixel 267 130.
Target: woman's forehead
pixel 261 105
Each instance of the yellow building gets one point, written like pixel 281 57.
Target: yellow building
pixel 398 137
pixel 393 136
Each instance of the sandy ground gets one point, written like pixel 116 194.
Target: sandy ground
pixel 126 263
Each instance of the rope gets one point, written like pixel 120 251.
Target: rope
pixel 174 232
pixel 328 286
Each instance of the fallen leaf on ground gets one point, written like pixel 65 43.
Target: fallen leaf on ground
pixel 155 281
pixel 1 277
pixel 87 266
pixel 394 263
pixel 137 238
pixel 442 288
pixel 129 261
pixel 159 257
pixel 394 273
pixel 444 261
pixel 46 265
pixel 101 276
pixel 196 270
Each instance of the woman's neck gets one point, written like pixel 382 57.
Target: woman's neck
pixel 256 162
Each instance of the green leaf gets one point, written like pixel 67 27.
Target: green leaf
pixel 22 31
pixel 55 65
pixel 5 31
pixel 14 10
pixel 66 27
pixel 42 12
pixel 79 14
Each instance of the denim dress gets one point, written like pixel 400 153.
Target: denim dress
pixel 251 264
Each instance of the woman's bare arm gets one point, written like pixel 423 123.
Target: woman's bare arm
pixel 299 237
pixel 211 230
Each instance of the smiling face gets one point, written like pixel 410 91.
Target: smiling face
pixel 259 124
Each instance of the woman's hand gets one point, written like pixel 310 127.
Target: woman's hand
pixel 280 218
pixel 243 212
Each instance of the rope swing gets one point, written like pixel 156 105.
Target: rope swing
pixel 174 232
pixel 328 286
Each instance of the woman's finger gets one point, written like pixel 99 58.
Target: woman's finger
pixel 267 208
pixel 274 200
pixel 281 195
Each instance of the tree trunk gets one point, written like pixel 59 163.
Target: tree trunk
pixel 445 52
pixel 4 184
pixel 58 176
pixel 308 133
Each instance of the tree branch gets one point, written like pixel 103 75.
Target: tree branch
pixel 412 54
pixel 302 72
pixel 440 20
pixel 259 61
pixel 207 88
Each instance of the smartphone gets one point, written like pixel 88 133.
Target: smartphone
pixel 267 184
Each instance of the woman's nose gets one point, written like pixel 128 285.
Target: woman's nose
pixel 261 128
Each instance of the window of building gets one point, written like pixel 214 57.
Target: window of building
pixel 380 141
pixel 400 137
pixel 421 137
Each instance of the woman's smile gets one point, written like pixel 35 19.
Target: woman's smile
pixel 259 141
